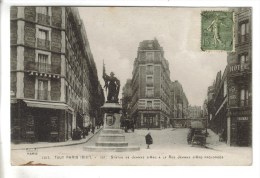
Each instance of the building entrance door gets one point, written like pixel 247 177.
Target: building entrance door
pixel 43 128
pixel 243 133
pixel 149 121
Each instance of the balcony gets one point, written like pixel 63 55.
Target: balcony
pixel 245 103
pixel 43 44
pixel 43 69
pixel 244 38
pixel 149 71
pixel 37 66
pixel 149 83
pixel 43 19
pixel 241 103
pixel 149 95
pixel 43 95
pixel 237 69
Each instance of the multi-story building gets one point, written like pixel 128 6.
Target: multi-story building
pixel 126 98
pixel 217 97
pixel 205 109
pixel 173 101
pixel 239 81
pixel 230 97
pixel 53 74
pixel 179 105
pixel 150 106
pixel 195 112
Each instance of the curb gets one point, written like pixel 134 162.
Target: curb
pixel 78 143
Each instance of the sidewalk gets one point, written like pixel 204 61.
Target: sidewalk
pixel 24 146
pixel 213 141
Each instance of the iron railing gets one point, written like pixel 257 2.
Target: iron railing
pixel 43 95
pixel 43 19
pixel 43 43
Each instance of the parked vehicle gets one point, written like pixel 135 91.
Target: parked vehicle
pixel 198 134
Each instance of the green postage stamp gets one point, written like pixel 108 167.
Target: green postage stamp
pixel 217 30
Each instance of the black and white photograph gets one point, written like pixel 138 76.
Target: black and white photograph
pixel 130 86
pixel 129 89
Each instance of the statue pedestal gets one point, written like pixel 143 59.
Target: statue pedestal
pixel 111 137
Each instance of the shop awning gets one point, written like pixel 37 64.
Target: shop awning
pixel 50 105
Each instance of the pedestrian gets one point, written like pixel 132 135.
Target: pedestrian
pixel 93 129
pixel 133 127
pixel 148 140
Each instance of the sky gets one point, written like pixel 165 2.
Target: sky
pixel 114 34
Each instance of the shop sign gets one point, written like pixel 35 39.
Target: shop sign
pixel 242 118
pixel 241 112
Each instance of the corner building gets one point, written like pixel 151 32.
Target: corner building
pixel 239 81
pixel 52 71
pixel 150 106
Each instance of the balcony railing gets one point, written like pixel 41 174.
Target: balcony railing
pixel 241 103
pixel 246 102
pixel 43 19
pixel 43 95
pixel 149 83
pixel 237 68
pixel 42 67
pixel 43 44
pixel 149 72
pixel 243 38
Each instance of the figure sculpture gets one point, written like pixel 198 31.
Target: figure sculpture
pixel 112 84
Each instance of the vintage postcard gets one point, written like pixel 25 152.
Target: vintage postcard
pixel 131 86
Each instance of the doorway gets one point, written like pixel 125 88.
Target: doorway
pixel 42 128
pixel 243 133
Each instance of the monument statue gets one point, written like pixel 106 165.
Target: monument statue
pixel 112 84
pixel 111 137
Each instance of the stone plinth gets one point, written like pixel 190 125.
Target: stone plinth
pixel 111 137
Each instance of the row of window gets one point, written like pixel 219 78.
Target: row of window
pixel 245 95
pixel 150 121
pixel 148 56
pixel 244 30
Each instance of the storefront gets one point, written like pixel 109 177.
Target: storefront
pixel 239 124
pixel 152 119
pixel 34 121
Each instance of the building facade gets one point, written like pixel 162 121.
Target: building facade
pixel 150 106
pixel 179 105
pixel 239 82
pixel 52 73
pixel 217 97
pixel 126 98
pixel 230 97
pixel 195 112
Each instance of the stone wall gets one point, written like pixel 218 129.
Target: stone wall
pixel 13 58
pixel 29 59
pixel 29 34
pixel 55 63
pixel 13 29
pixel 56 16
pixel 55 89
pixel 142 81
pixel 29 86
pixel 56 40
pixel 157 81
pixel 30 13
pixel 13 12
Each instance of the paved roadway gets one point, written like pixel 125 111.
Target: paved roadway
pixel 170 148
